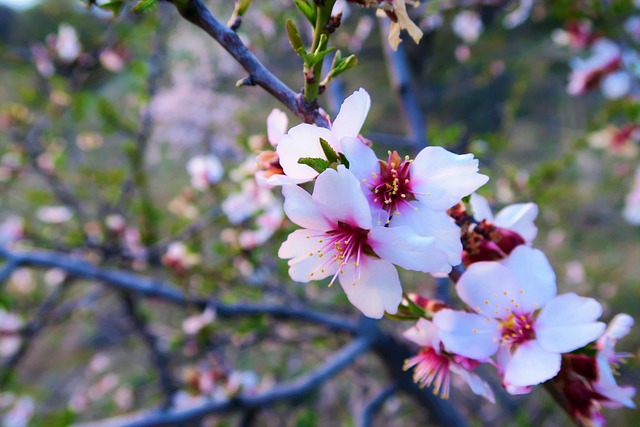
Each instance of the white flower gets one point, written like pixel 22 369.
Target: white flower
pixel 518 217
pixel 204 171
pixel 339 239
pixel 304 140
pixel 67 45
pixel 517 313
pixel 467 25
pixel 54 214
pixel 277 122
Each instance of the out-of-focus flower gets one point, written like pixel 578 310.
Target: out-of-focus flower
pixel 304 140
pixel 204 171
pixel 115 223
pixel 239 207
pixel 111 60
pixel 587 74
pixel 20 413
pixel 42 60
pixel 11 230
pixel 269 161
pixel 467 25
pixel 103 386
pixel 631 211
pixel 620 141
pixel 433 364
pixel 89 141
pixel 54 214
pixel 632 26
pixel 339 239
pixel 10 325
pixel 67 44
pixel 179 258
pixel 194 324
pixel 266 225
pixel 577 35
pixel 519 15
pixel 21 282
pixel 518 315
pixel 616 85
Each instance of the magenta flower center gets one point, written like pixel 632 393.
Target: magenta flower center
pixel 517 329
pixel 392 186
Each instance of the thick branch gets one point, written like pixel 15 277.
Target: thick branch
pixel 196 12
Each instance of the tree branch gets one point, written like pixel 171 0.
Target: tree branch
pixel 196 12
pixel 376 403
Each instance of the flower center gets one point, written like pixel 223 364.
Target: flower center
pixel 344 245
pixel 392 187
pixel 517 329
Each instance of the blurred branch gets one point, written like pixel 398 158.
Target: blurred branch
pixel 400 75
pixel 32 330
pixel 158 357
pixel 196 12
pixel 375 405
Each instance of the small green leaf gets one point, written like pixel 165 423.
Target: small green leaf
pixel 343 160
pixel 113 6
pixel 317 164
pixel 144 6
pixel 294 36
pixel 319 56
pixel 307 9
pixel 328 150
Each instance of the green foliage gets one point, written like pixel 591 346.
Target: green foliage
pixel 144 6
pixel 308 9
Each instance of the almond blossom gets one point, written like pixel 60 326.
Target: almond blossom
pixel 416 193
pixel 204 171
pixel 339 240
pixel 434 364
pixel 303 140
pixel 587 74
pixel 518 315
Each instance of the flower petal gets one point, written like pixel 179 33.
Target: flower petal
pixel 477 384
pixel 467 334
pixel 530 364
pixel 338 195
pixel 567 323
pixel 480 208
pixel 378 289
pixel 301 141
pixel 424 333
pixel 407 249
pixel 362 159
pixel 443 178
pixel 305 264
pixel 489 288
pixel 520 218
pixel 536 281
pixel 352 114
pixel 300 209
pixel 277 122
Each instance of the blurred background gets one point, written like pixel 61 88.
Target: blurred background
pixel 101 118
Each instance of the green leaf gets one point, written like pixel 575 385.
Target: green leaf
pixel 317 164
pixel 307 9
pixel 113 6
pixel 343 160
pixel 145 6
pixel 314 58
pixel 328 150
pixel 294 36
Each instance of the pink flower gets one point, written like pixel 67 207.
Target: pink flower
pixel 339 239
pixel 518 315
pixel 587 74
pixel 433 364
pixel 204 171
pixel 10 325
pixel 67 44
pixel 416 193
pixel 270 172
pixel 304 140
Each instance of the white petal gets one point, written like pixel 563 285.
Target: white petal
pixel 276 126
pixel 407 249
pixel 352 114
pixel 489 288
pixel 303 252
pixel 424 333
pixel 340 198
pixel 567 323
pixel 531 365
pixel 607 386
pixel 300 209
pixel 519 217
pixel 468 334
pixel 377 291
pixel 619 327
pixel 362 159
pixel 436 224
pixel 480 207
pixel 301 141
pixel 277 180
pixel 536 281
pixel 477 384
pixel 443 178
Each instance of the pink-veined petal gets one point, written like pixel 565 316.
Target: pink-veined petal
pixel 352 114
pixel 568 322
pixel 378 289
pixel 440 178
pixel 340 198
pixel 300 209
pixel 480 207
pixel 467 334
pixel 407 249
pixel 436 224
pixel 304 261
pixel 536 281
pixel 363 161
pixel 277 122
pixel 477 384
pixel 520 218
pixel 530 364
pixel 489 288
pixel 424 333
pixel 301 141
